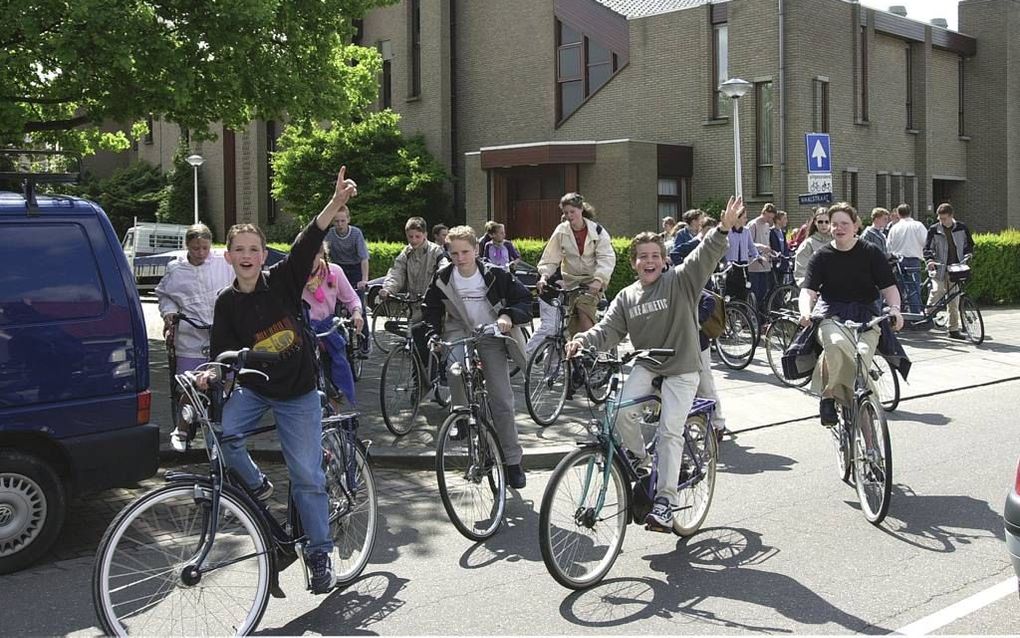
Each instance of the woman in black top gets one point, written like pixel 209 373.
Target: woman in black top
pixel 842 280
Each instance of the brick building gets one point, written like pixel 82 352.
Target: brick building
pixel 525 100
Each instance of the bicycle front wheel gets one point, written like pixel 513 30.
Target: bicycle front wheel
pixel 697 476
pixel 546 382
pixel 778 337
pixel 783 297
pixel 472 478
pixel 353 505
pixel 872 461
pixel 139 583
pixel 383 338
pixel 400 390
pixel 739 338
pixel 886 383
pixel 583 519
pixel 973 324
pixel 597 379
pixel 841 442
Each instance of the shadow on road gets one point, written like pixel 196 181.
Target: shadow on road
pixel 939 523
pixel 350 611
pixel 917 417
pixel 713 564
pixel 515 541
pixel 735 458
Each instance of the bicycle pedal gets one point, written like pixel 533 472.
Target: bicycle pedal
pixel 652 527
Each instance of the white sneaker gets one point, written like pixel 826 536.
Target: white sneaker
pixel 661 514
pixel 179 441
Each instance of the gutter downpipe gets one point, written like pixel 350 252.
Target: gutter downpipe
pixel 782 106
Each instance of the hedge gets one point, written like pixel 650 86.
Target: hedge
pixel 995 276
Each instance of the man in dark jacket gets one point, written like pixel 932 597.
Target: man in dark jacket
pixel 468 293
pixel 949 242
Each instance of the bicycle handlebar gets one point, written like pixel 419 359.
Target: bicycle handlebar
pixel 644 353
pixel 178 317
pixel 481 331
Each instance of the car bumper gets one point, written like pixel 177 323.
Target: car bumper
pixel 113 459
pixel 1011 518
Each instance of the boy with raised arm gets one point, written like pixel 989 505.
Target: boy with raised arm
pixel 660 310
pixel 262 311
pixel 468 293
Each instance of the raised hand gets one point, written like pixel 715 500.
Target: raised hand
pixel 734 209
pixel 344 191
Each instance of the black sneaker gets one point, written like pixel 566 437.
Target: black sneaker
pixel 956 334
pixel 827 410
pixel 515 476
pixel 264 491
pixel 320 572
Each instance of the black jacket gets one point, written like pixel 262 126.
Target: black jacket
pixel 270 319
pixel 507 296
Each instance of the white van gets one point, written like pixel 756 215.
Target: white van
pixel 149 238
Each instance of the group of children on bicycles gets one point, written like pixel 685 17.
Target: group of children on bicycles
pixel 663 308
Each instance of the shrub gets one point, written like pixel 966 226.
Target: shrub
pixel 128 193
pixel 177 203
pixel 995 270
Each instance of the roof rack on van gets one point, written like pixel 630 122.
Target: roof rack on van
pixel 30 178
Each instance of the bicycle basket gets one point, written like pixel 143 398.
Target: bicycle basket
pixel 958 272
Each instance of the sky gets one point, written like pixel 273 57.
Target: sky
pixel 922 10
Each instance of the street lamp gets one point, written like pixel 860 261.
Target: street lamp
pixel 735 88
pixel 196 161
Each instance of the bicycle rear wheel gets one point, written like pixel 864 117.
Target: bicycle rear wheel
pixel 353 506
pixel 138 583
pixel 472 478
pixel 737 342
pixel 783 297
pixel 778 337
pixel 872 461
pixel 580 539
pixel 597 378
pixel 697 476
pixel 400 390
pixel 886 383
pixel 546 382
pixel 383 338
pixel 842 443
pixel 973 324
pixel 355 356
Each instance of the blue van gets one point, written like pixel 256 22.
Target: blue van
pixel 74 368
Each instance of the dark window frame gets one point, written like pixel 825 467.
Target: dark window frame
pixel 850 187
pixel 863 95
pixel 149 130
pixel 820 120
pixel 718 99
pixel 584 68
pixel 910 87
pixel 683 189
pixel 764 133
pixel 960 98
pixel 386 88
pixel 414 48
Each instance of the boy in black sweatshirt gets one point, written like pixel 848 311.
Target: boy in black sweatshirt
pixel 262 311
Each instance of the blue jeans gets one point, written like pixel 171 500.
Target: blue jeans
pixel 299 426
pixel 340 368
pixel 909 278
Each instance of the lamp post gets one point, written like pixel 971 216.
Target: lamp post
pixel 196 161
pixel 735 88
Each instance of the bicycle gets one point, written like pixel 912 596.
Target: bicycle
pixel 550 377
pixel 470 466
pixel 783 329
pixel 403 385
pixel 861 435
pixel 971 322
pixel 170 338
pixel 390 319
pixel 596 490
pixel 201 554
pixel 356 354
pixel 740 337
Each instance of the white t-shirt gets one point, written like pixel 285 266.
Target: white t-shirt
pixel 472 293
pixel 907 238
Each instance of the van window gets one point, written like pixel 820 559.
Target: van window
pixel 129 239
pixel 49 273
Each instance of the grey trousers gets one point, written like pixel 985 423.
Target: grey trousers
pixel 493 353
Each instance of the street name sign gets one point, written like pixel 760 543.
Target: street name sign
pixel 811 199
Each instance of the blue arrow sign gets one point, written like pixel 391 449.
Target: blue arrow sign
pixel 819 152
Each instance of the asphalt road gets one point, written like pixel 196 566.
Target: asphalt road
pixel 784 550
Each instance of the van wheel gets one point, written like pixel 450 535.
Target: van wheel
pixel 32 508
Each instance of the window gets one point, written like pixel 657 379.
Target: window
pixel 148 130
pixel 764 105
pixel 185 135
pixel 850 187
pixel 583 66
pixel 386 89
pixel 910 88
pixel 414 48
pixel 909 188
pixel 48 275
pixel 960 99
pixel 272 206
pixel 896 190
pixel 882 191
pixel 669 197
pixel 820 122
pixel 863 82
pixel 720 69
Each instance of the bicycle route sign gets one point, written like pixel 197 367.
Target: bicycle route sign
pixel 819 152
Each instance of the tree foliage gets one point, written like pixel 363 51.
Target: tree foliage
pixel 130 192
pixel 177 201
pixel 70 66
pixel 397 177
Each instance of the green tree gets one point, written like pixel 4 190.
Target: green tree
pixel 130 192
pixel 70 66
pixel 177 201
pixel 397 177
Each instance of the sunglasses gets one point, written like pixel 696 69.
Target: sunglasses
pixel 821 221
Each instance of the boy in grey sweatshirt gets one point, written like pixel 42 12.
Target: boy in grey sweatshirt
pixel 660 310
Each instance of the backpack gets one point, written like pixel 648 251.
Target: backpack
pixel 715 325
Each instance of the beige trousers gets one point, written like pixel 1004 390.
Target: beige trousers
pixel 834 374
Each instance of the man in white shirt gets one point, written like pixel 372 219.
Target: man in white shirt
pixel 906 240
pixel 760 271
